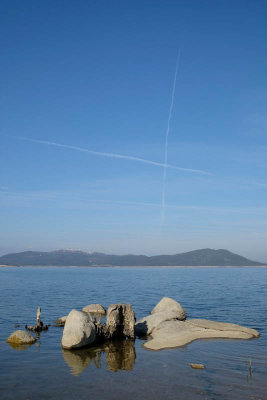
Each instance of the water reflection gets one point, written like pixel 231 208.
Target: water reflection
pixel 19 347
pixel 120 355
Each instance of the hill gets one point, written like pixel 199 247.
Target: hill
pixel 203 257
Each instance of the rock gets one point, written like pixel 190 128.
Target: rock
pixel 166 310
pixel 120 321
pixel 167 304
pixel 61 321
pixel 95 309
pixel 176 333
pixel 21 337
pixel 197 366
pixel 146 325
pixel 79 330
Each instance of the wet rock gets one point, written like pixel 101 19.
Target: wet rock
pixel 176 333
pixel 95 309
pixel 197 366
pixel 20 337
pixel 120 322
pixel 61 321
pixel 79 330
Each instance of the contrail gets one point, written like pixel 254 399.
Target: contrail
pixel 167 141
pixel 114 155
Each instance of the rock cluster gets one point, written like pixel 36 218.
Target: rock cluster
pixel 167 327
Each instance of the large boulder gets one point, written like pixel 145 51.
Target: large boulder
pixel 20 337
pixel 95 309
pixel 166 310
pixel 79 330
pixel 166 304
pixel 179 333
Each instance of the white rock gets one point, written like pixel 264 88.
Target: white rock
pixel 79 330
pixel 179 333
pixel 146 325
pixel 95 309
pixel 21 337
pixel 167 304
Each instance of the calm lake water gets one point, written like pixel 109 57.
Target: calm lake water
pixel 126 370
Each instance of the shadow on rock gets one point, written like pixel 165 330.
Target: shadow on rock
pixel 120 355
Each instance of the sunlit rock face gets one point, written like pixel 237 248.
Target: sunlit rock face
pixel 79 330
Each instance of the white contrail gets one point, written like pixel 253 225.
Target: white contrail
pixel 114 155
pixel 167 141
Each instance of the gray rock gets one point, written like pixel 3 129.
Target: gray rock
pixel 166 310
pixel 146 325
pixel 61 321
pixel 176 333
pixel 95 309
pixel 120 321
pixel 79 330
pixel 166 304
pixel 21 337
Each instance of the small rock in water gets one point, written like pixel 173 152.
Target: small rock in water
pixel 197 366
pixel 61 321
pixel 20 337
pixel 94 309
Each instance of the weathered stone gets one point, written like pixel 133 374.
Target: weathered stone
pixel 79 330
pixel 197 366
pixel 120 321
pixel 20 337
pixel 166 310
pixel 166 304
pixel 146 325
pixel 61 321
pixel 95 309
pixel 179 333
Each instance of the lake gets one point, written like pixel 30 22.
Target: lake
pixel 126 370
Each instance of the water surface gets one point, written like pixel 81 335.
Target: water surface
pixel 126 370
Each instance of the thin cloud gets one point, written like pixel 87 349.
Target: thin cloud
pixel 114 155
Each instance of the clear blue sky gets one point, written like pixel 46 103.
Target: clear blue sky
pixel 98 75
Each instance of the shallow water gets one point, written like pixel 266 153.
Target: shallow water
pixel 127 370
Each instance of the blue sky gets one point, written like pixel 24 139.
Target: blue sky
pixel 98 76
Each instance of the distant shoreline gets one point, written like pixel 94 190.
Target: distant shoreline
pixel 133 266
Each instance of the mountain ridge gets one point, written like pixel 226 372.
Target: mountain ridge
pixel 202 257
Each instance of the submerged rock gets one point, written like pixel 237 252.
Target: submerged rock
pixel 166 310
pixel 20 337
pixel 79 330
pixel 95 309
pixel 179 333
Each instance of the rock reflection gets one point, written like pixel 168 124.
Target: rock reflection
pixel 19 347
pixel 120 355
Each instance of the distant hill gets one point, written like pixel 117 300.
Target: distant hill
pixel 204 257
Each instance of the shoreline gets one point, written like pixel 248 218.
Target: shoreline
pixel 133 266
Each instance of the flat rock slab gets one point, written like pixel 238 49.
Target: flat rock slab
pixel 20 337
pixel 176 333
